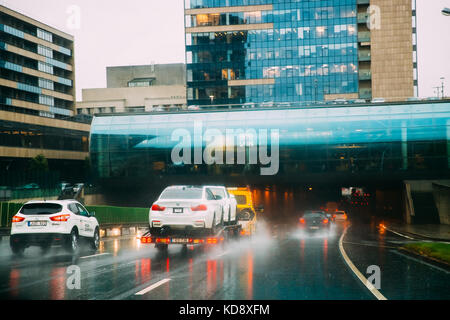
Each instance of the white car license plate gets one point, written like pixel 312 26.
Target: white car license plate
pixel 37 223
pixel 177 210
pixel 315 228
pixel 180 240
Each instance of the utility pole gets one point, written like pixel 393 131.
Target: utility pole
pixel 437 91
pixel 442 85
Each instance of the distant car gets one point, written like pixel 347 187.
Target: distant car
pixel 284 105
pixel 340 101
pixel 267 104
pixel 77 187
pixel 248 105
pixel 246 212
pixel 357 101
pixel 229 203
pixel 193 108
pixel 314 221
pixel 411 99
pixel 340 216
pixel 187 210
pixel 58 222
pixel 159 109
pixel 378 100
pixel 29 186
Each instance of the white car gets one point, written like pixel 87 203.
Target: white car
pixel 59 222
pixel 340 216
pixel 228 202
pixel 186 209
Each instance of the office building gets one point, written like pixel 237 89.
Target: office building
pixel 251 51
pixel 37 95
pixel 137 89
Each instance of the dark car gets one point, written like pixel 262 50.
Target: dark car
pixel 315 221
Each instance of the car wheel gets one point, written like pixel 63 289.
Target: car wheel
pixel 73 244
pixel 95 242
pixel 17 248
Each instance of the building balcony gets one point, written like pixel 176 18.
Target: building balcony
pixel 365 94
pixel 364 36
pixel 364 55
pixel 364 75
pixel 363 17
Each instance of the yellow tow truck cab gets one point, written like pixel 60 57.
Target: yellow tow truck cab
pixel 246 213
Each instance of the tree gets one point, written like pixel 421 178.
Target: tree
pixel 39 164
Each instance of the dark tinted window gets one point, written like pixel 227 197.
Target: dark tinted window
pixel 41 208
pixel 82 210
pixel 316 214
pixel 187 193
pixel 240 199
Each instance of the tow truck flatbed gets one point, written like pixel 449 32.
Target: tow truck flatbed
pixel 162 241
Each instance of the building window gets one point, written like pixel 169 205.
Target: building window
pixel 47 36
pixel 45 51
pixel 45 67
pixel 46 84
pixel 140 83
pixel 46 100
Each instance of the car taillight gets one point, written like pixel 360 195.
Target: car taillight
pixel 334 216
pixel 302 221
pixel 156 207
pixel 61 218
pixel 325 221
pixel 200 207
pixel 345 217
pixel 17 219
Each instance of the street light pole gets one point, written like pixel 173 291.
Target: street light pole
pixel 442 87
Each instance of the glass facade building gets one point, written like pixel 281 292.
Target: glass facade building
pixel 251 51
pixel 390 141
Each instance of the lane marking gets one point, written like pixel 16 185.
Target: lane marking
pixel 399 234
pixel 418 260
pixel 355 270
pixel 95 255
pixel 153 286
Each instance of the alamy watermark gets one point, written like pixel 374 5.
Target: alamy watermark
pixel 232 146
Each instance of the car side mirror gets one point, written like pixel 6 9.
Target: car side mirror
pixel 92 214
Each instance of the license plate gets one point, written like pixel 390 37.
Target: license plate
pixel 37 223
pixel 180 240
pixel 315 228
pixel 177 210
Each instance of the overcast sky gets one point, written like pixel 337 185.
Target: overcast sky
pixel 134 32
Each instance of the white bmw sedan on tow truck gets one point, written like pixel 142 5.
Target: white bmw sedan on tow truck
pixel 186 210
pixel 59 222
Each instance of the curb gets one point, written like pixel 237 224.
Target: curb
pixel 418 235
pixel 431 260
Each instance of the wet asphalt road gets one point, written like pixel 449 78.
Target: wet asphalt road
pixel 277 263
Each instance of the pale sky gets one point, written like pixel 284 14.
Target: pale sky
pixel 135 32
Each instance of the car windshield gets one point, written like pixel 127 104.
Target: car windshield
pixel 182 193
pixel 241 199
pixel 40 208
pixel 315 214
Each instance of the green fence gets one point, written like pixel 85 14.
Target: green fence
pixel 118 215
pixel 104 214
pixel 7 211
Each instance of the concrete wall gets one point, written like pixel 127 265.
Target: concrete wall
pixel 164 74
pixel 392 51
pixel 442 198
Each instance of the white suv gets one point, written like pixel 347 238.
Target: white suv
pixel 229 203
pixel 59 222
pixel 186 210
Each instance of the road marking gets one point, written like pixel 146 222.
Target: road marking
pixel 95 255
pixel 153 286
pixel 355 270
pixel 399 234
pixel 420 261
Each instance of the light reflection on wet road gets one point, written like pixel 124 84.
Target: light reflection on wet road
pixel 273 265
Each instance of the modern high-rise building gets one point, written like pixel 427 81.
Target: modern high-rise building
pixel 37 96
pixel 251 51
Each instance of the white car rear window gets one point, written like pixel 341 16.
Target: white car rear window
pixel 40 208
pixel 188 193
